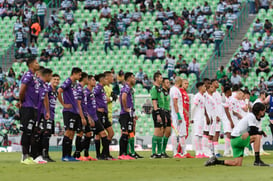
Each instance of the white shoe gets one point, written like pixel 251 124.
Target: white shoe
pixel 40 160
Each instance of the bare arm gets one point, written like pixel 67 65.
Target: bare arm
pixel 46 104
pixel 229 117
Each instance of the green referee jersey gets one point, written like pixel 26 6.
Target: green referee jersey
pixel 166 100
pixel 157 94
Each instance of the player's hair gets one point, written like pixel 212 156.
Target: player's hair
pixel 235 87
pixel 246 92
pixel 262 92
pixel 76 70
pixel 156 75
pixel 83 76
pixel 30 61
pixel 46 71
pixel 206 79
pixel 127 75
pixel 199 84
pixel 99 76
pixel 106 73
pixel 165 78
pixel 178 79
pixel 227 88
pixel 213 80
pixel 90 77
pixel 257 107
pixel 55 75
pixel 41 68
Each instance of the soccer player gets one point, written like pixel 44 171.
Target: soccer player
pixel 44 76
pixel 91 108
pixel 227 120
pixel 158 115
pixel 66 96
pixel 245 132
pixel 110 95
pixel 86 120
pixel 198 116
pixel 211 117
pixel 49 124
pixel 126 114
pixel 179 124
pixel 167 123
pixel 28 102
pixel 219 115
pixel 102 113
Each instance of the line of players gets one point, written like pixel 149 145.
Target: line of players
pixel 85 111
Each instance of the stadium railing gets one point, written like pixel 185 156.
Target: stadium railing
pixel 213 62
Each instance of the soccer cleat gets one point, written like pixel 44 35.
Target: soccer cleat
pixel 138 156
pixel 178 156
pixel 82 158
pixel 69 159
pixel 48 159
pixel 28 161
pixel 40 160
pixel 154 156
pixel 77 154
pixel 91 158
pixel 164 155
pixel 211 161
pixel 130 158
pixel 112 158
pixel 122 157
pixel 199 156
pixel 264 153
pixel 260 163
pixel 218 155
pixel 188 155
pixel 205 156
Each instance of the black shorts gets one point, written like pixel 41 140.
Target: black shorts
pixel 126 123
pixel 98 127
pixel 103 118
pixel 46 126
pixel 158 124
pixel 87 128
pixel 167 122
pixel 72 121
pixel 28 118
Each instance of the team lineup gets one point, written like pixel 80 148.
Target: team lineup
pixel 87 112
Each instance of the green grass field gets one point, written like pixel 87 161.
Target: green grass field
pixel 135 170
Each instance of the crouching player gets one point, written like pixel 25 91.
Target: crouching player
pixel 245 132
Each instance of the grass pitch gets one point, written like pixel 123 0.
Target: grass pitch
pixel 133 170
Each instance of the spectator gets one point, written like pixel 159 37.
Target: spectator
pixel 205 38
pixel 245 67
pixel 66 4
pixel 147 107
pixel 121 26
pixel 225 81
pixel 220 73
pixel 19 38
pixel 49 51
pixel 268 41
pixel 86 39
pixel 235 78
pixel 117 41
pixel 246 45
pixel 139 76
pixel 67 44
pixel 35 30
pixel 34 50
pixel 268 26
pixel 11 73
pixel 264 4
pixel 147 84
pixel 44 57
pixel 160 52
pixel 142 49
pixel 170 62
pixel 136 15
pixel 58 131
pixel 58 51
pixel 161 16
pixel 14 131
pixel 259 45
pixel 184 68
pixel 41 12
pixel 151 7
pixel 53 37
pixel 125 40
pixel 136 50
pixel 252 57
pixel 262 85
pixel 150 54
pixel 68 16
pixel 22 52
pixel 107 40
pixel 158 6
pixel 8 95
pixel 236 63
pixel 166 42
pixel 200 20
pixel 105 12
pixel 165 32
pixel 120 77
pixel 257 27
pixel 194 67
pixel 73 40
pixel 176 28
pixel 263 66
pixel 188 38
pixel 218 36
pixel 88 4
pixel 179 61
pixel 206 10
pixel 253 95
pixel 34 18
pixel 185 13
pixel 150 42
pixel 95 26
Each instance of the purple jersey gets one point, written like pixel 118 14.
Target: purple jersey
pixel 70 96
pixel 52 97
pixel 81 97
pixel 100 97
pixel 32 90
pixel 91 104
pixel 129 102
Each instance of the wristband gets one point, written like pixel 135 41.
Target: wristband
pixel 179 117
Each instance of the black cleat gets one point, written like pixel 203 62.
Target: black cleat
pixel 138 156
pixel 155 156
pixel 260 163
pixel 48 159
pixel 77 154
pixel 211 161
pixel 164 155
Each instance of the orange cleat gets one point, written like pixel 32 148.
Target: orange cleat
pixel 188 155
pixel 91 158
pixel 178 156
